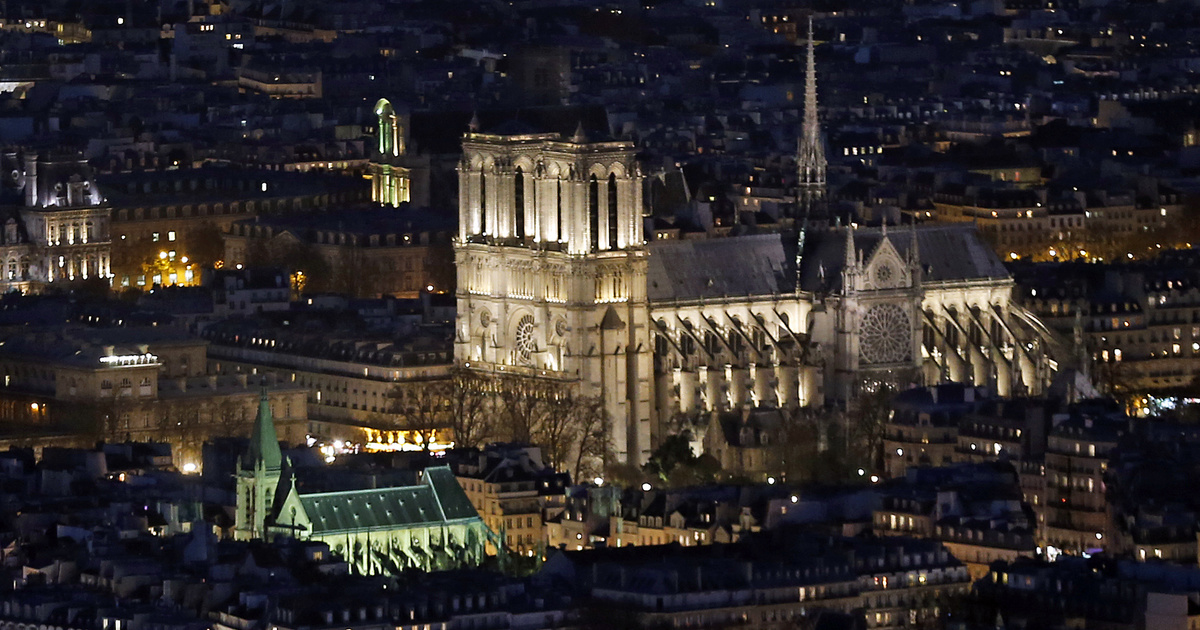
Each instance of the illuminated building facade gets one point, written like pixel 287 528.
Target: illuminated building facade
pixel 554 281
pixel 397 176
pixel 55 226
pixel 141 384
pixel 552 270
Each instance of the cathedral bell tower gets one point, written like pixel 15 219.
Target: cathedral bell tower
pixel 552 270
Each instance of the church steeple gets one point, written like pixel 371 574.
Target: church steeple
pixel 258 474
pixel 810 157
pixel 264 442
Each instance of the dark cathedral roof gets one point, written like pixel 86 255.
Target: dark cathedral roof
pixel 718 267
pixel 947 253
pixel 764 264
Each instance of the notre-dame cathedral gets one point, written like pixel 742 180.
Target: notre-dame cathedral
pixel 556 280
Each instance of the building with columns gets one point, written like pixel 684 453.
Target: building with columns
pixel 55 222
pixel 742 323
pixel 555 281
pixel 552 269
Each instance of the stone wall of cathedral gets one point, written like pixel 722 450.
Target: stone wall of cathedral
pixel 552 271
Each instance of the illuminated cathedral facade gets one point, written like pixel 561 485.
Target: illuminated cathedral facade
pixel 552 270
pixel 555 280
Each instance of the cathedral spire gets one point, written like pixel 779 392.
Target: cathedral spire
pixel 810 158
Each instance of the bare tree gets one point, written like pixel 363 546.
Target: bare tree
pixel 419 407
pixel 571 429
pixel 594 444
pixel 522 403
pixel 469 407
pixel 228 418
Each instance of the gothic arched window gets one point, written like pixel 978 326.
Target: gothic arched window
pixel 594 211
pixel 612 211
pixel 519 204
pixel 483 200
pixel 558 211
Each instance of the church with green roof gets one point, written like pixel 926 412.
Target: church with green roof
pixel 428 526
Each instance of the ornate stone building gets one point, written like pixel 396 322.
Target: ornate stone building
pixel 738 327
pixel 555 281
pixel 55 223
pixel 552 270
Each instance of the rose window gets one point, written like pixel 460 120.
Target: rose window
pixel 884 275
pixel 884 335
pixel 524 339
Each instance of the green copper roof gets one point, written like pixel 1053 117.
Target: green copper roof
pixel 264 442
pixel 439 499
pixel 450 494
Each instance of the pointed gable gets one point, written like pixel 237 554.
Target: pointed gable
pixel 886 268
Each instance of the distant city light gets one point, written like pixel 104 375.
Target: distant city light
pixel 189 468
pixel 646 487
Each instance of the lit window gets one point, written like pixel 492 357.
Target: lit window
pixel 171 235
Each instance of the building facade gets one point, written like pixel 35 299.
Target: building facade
pixel 56 223
pixel 552 270
pixel 554 281
pixel 428 526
